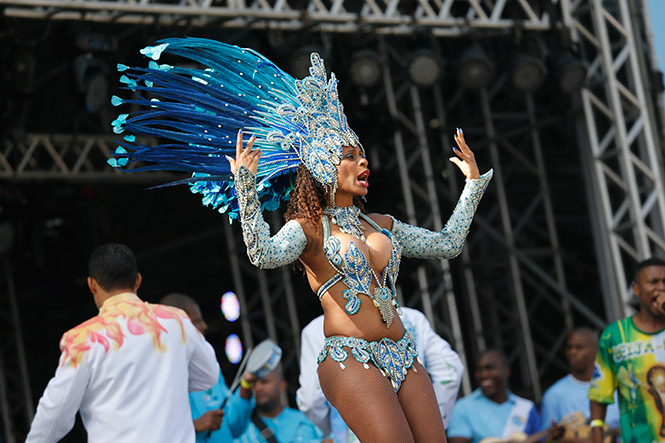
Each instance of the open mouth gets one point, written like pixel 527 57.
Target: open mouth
pixel 362 178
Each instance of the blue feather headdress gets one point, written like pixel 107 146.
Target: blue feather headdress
pixel 198 112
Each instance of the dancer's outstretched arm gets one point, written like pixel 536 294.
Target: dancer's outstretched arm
pixel 422 243
pixel 264 251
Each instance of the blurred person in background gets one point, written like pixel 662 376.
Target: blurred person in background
pixel 566 402
pixel 492 410
pixel 272 421
pixel 212 423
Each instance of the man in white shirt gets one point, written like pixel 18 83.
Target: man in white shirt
pixel 442 363
pixel 127 370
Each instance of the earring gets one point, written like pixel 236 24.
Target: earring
pixel 331 192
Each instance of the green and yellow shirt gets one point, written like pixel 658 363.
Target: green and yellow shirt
pixel 634 362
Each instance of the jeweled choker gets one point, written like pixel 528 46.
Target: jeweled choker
pixel 346 218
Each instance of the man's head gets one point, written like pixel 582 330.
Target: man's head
pixel 268 392
pixel 191 308
pixel 581 348
pixel 649 286
pixel 492 372
pixel 112 270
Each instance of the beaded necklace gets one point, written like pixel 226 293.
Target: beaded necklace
pixel 346 218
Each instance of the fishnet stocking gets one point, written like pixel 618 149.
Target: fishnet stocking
pixel 418 401
pixel 367 402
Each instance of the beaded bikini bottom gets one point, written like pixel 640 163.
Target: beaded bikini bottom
pixel 392 358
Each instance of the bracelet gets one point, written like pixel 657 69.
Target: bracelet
pixel 597 423
pixel 245 384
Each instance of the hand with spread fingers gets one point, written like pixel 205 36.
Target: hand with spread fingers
pixel 465 160
pixel 247 156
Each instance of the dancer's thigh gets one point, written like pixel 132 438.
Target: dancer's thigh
pixel 366 401
pixel 420 406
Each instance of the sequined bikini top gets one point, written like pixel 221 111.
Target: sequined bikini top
pixel 354 270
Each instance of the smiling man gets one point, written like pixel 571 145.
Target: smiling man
pixel 631 359
pixel 492 410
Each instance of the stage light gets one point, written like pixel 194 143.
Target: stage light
pixel 571 72
pixel 425 68
pixel 528 72
pixel 92 82
pixel 365 68
pixel 230 306
pixel 233 348
pixel 476 70
pixel 96 91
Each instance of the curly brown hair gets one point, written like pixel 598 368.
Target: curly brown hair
pixel 307 201
pixel 309 198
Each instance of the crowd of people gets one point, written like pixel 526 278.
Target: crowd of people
pixel 371 370
pixel 144 372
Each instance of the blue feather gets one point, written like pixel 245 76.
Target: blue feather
pixel 196 112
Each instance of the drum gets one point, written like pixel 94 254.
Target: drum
pixel 264 358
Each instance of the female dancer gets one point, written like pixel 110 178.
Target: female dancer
pixel 368 369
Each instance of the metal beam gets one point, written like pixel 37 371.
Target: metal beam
pixel 442 18
pixel 623 147
pixel 68 157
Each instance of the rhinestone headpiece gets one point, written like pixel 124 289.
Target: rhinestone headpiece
pixel 317 128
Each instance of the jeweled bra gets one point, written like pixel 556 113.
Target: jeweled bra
pixel 354 270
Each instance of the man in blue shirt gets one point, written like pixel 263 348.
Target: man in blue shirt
pixel 211 423
pixel 492 410
pixel 571 393
pixel 282 424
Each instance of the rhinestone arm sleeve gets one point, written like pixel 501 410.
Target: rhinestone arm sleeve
pixel 264 251
pixel 422 243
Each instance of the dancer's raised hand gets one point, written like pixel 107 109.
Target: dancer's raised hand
pixel 465 160
pixel 247 156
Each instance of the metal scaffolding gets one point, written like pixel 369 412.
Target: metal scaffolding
pixel 516 243
pixel 619 143
pixel 399 17
pixel 513 279
pixel 66 157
